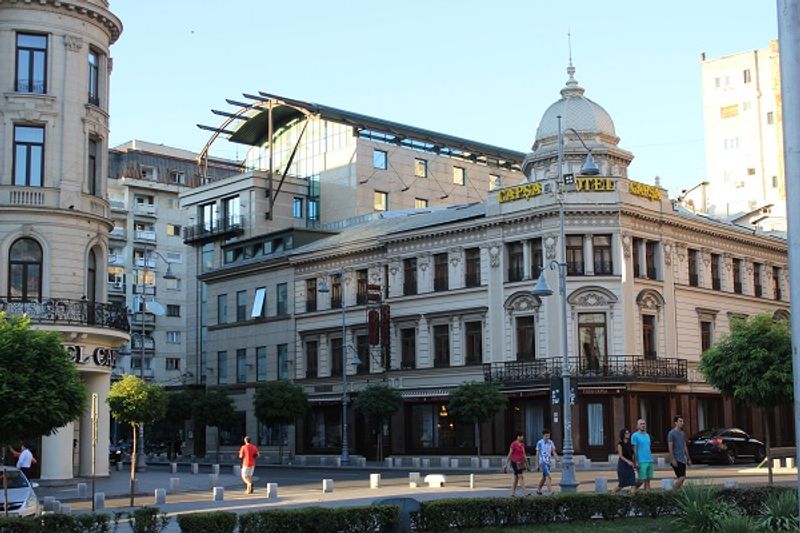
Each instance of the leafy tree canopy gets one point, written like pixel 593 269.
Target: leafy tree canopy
pixel 280 402
pixel 476 402
pixel 379 401
pixel 40 389
pixel 753 364
pixel 133 401
pixel 215 409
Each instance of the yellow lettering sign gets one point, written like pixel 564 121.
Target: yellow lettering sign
pixel 595 185
pixel 526 191
pixel 649 192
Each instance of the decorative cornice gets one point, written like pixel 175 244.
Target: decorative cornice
pixel 85 10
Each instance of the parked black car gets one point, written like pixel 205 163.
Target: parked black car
pixel 726 445
pixel 115 453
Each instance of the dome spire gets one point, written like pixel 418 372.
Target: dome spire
pixel 572 88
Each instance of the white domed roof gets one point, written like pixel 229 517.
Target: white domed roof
pixel 576 112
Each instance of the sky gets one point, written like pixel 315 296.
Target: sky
pixel 481 70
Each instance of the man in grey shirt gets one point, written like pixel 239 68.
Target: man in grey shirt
pixel 678 451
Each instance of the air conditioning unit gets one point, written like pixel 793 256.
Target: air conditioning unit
pixel 118 284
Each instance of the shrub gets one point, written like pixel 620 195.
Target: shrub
pixel 322 520
pixel 18 525
pixel 736 523
pixel 213 522
pixel 148 520
pixel 779 512
pixel 700 508
pixel 64 523
pixel 749 500
pixel 653 503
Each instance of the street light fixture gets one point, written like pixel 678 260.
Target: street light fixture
pixel 568 482
pixel 323 288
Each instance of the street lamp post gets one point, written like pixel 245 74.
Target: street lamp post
pixel 568 482
pixel 345 458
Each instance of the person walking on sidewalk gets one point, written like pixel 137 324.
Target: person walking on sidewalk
pixel 518 460
pixel 545 453
pixel 678 451
pixel 642 456
pixel 248 453
pixel 626 474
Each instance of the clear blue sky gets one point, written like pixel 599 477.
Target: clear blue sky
pixel 476 69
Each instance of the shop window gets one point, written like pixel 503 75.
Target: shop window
pixel 324 428
pixel 273 434
pixel 236 431
pixel 434 428
pixel 653 410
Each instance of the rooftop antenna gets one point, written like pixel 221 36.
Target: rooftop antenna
pixel 569 45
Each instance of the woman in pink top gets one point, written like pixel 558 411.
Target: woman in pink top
pixel 518 459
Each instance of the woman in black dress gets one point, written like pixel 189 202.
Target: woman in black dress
pixel 625 470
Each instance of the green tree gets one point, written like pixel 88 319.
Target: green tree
pixel 279 402
pixel 215 409
pixel 753 365
pixel 475 403
pixel 40 389
pixel 179 410
pixel 379 402
pixel 134 402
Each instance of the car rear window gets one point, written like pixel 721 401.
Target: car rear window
pixel 705 434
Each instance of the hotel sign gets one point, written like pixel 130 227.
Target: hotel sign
pixel 595 185
pixel 526 191
pixel 99 356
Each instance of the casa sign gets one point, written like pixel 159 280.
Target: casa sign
pixel 99 356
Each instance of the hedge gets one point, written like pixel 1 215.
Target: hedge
pixel 322 520
pixel 57 523
pixel 476 513
pixel 211 522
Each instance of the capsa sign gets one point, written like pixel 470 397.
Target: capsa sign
pixel 526 191
pixel 650 192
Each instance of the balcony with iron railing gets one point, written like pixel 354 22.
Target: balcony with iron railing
pixel 603 268
pixel 145 235
pixel 144 209
pixel 575 268
pixel 615 368
pixel 62 311
pixel 117 286
pixel 210 230
pixel 117 233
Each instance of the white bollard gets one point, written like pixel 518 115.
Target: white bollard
pixel 272 491
pixel 173 468
pixel 219 494
pixel 387 462
pixel 65 508
pixel 587 463
pixel 119 466
pixel 426 462
pixel 474 463
pixel 454 463
pixel 174 484
pixel 195 468
pixel 776 463
pixel 338 461
pixel 435 480
pixel 666 483
pixel 416 462
pixel 213 479
pixel 485 464
pixel 362 462
pixel 413 476
pixel 99 501
pixel 327 485
pixel 301 459
pixel 56 506
pixel 83 490
pixel 472 481
pixel 444 462
pixel 323 461
pixel 790 462
pixel 600 484
pixel 237 471
pixel 729 484
pixel 661 462
pixel 215 469
pixel 160 497
pixel 374 481
pixel 48 503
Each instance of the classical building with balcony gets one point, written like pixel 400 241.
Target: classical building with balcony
pixel 54 215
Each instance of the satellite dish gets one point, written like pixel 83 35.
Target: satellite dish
pixel 155 308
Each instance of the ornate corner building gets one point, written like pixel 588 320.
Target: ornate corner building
pixel 54 215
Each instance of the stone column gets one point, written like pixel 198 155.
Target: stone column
pixel 588 255
pixel 56 454
pixel 526 260
pixel 98 383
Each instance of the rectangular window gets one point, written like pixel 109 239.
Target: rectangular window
pixel 408 348
pixel 774 182
pixel 649 336
pixel 516 263
pixel 746 75
pixel 259 303
pixel 420 168
pixel 537 257
pixel 494 182
pixel 441 346
pixel 241 306
pixel 758 269
pixel 361 286
pixel 311 359
pixel 729 111
pixel 173 230
pixel 177 177
pixel 31 63
pixel 380 201
pixel 692 258
pixel 638 270
pixel 575 255
pixel 409 276
pixel 222 367
pixel 440 272
pixel 313 209
pixel 379 159
pixel 222 309
pixel 776 283
pixel 173 310
pixel 261 363
pixel 592 339
pixel 94 77
pixel 362 352
pixel 208 216
pixel 297 207
pixel 91 169
pixel 472 258
pixel 311 295
pixel 173 337
pixel 526 339
pixel 473 338
pixel 28 156
pixel 336 291
pixel 603 264
pixel 336 357
pixel 459 176
pixel 751 171
pixel 173 363
pixel 706 335
pixel 650 248
pixel 737 276
pixel 420 203
pixel 283 361
pixel 716 281
pixel 770 117
pixel 241 365
pixel 281 299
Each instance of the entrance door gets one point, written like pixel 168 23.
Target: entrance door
pixel 597 429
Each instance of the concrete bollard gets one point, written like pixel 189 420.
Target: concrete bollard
pixel 661 462
pixel 472 481
pixel 337 461
pixel 213 479
pixel 301 459
pixel 667 483
pixel 729 483
pixel 272 491
pixel 374 481
pixel 219 494
pixel 416 462
pixel 99 501
pixel 237 471
pixel 362 462
pixel 790 462
pixel 66 509
pixel 454 463
pixel 426 463
pixel 387 462
pixel 160 497
pixel 444 462
pixel 48 503
pixel 327 485
pixel 173 468
pixel 56 506
pixel 485 464
pixel 474 463
pixel 600 484
pixel 587 464
pixel 119 466
pixel 195 468
pixel 174 484
pixel 776 463
pixel 215 469
pixel 323 461
pixel 435 480
pixel 83 490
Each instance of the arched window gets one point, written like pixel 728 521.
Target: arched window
pixel 25 270
pixel 91 277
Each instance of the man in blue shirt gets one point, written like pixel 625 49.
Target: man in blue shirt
pixel 642 455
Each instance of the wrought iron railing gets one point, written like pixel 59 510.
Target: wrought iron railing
pixel 69 312
pixel 612 369
pixel 574 268
pixel 211 229
pixel 25 85
pixel 694 281
pixel 603 268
